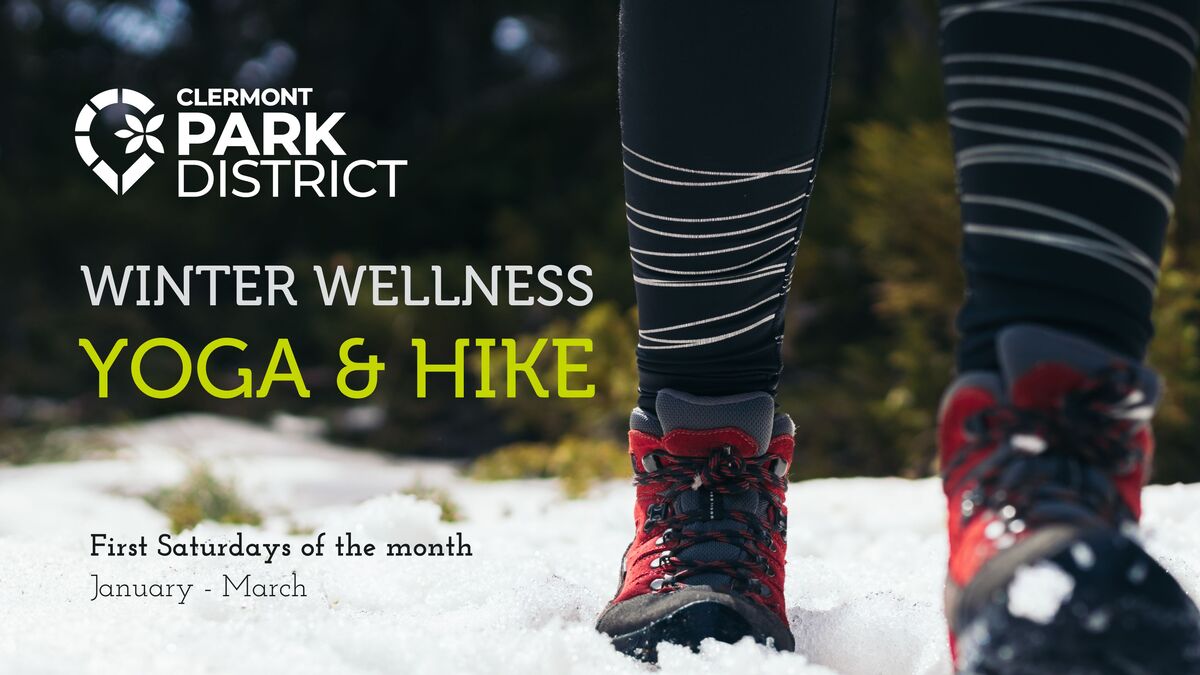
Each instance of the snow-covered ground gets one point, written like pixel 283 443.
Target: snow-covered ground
pixel 865 568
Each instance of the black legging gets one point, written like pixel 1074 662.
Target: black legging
pixel 1069 119
pixel 722 110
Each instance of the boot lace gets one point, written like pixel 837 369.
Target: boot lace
pixel 720 474
pixel 1056 464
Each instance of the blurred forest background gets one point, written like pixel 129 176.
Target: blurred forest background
pixel 507 112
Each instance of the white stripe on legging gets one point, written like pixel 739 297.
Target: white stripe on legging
pixel 790 171
pixel 1019 7
pixel 1074 244
pixel 1035 155
pixel 1107 21
pixel 712 271
pixel 701 172
pixel 700 254
pixel 711 319
pixel 770 270
pixel 1062 139
pixel 1068 114
pixel 1074 67
pixel 1069 89
pixel 716 219
pixel 713 235
pixel 1130 251
pixel 682 344
pixel 1145 7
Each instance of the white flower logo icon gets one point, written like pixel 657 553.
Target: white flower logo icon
pixel 136 134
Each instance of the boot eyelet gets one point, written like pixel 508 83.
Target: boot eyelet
pixel 662 582
pixel 780 469
pixel 650 462
pixel 757 587
pixel 654 513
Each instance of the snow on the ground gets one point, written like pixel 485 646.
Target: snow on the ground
pixel 864 591
pixel 1038 591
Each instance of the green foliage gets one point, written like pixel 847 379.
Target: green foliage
pixel 578 462
pixel 906 219
pixel 451 511
pixel 38 445
pixel 202 496
pixel 870 407
pixel 31 447
pixel 1175 352
pixel 611 369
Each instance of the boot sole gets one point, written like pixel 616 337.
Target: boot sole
pixel 1124 615
pixel 688 626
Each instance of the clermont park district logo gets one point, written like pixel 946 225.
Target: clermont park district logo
pixel 139 137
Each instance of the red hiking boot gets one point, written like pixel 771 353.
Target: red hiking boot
pixel 708 554
pixel 1043 466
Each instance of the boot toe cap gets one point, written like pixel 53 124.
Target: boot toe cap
pixel 687 617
